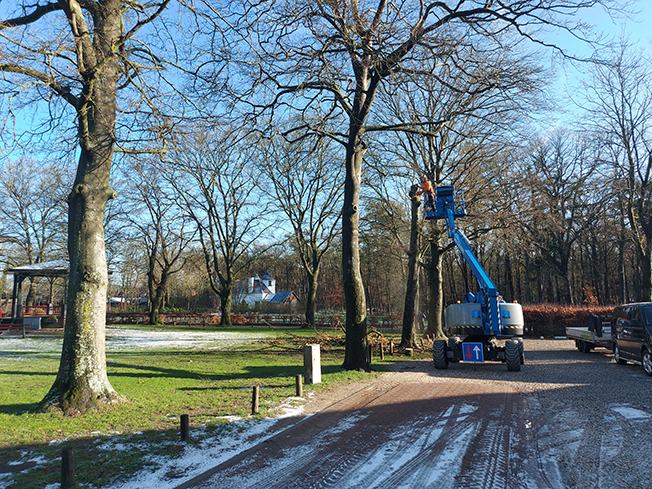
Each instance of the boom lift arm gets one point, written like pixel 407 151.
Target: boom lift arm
pixel 447 208
pixel 484 318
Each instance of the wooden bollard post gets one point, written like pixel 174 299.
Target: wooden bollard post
pixel 382 351
pixel 391 347
pixel 67 468
pixel 254 400
pixel 299 385
pixel 185 427
pixel 370 353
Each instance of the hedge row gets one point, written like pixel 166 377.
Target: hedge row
pixel 552 320
pixel 540 320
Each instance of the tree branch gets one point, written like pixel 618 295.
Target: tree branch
pixel 40 11
pixel 61 90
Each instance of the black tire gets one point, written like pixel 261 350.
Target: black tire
pixel 521 348
pixel 617 357
pixel 439 354
pixel 586 347
pixel 513 355
pixel 646 362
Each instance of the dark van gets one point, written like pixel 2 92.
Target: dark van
pixel 631 334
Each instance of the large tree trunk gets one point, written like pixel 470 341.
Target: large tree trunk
pixel 407 336
pixel 154 296
pixel 82 381
pixel 157 301
pixel 646 275
pixel 355 356
pixel 313 278
pixel 226 297
pixel 435 311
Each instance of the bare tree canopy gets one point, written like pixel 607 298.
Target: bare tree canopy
pixel 327 61
pixel 307 186
pixel 213 175
pixel 619 109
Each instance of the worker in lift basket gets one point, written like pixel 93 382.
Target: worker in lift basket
pixel 426 188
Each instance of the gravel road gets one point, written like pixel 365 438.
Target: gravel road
pixel 566 420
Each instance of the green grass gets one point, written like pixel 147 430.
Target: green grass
pixel 160 386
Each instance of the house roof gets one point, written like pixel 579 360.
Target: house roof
pixel 281 297
pixel 267 276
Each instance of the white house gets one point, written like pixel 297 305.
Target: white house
pixel 260 289
pixel 264 290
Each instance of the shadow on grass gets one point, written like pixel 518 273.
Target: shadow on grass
pixel 235 371
pixel 17 409
pixel 232 367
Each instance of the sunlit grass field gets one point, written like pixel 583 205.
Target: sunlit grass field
pixel 208 383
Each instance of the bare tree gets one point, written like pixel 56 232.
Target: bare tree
pixel 32 214
pixel 307 184
pixel 214 178
pixel 76 56
pixel 161 224
pixel 462 124
pixel 32 209
pixel 555 183
pixel 619 104
pixel 328 60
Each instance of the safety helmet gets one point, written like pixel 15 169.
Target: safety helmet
pixel 424 179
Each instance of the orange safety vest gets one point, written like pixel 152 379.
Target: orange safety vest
pixel 425 187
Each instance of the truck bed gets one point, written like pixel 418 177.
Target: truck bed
pixel 583 334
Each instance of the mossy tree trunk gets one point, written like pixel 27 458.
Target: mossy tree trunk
pixel 436 307
pixel 311 299
pixel 82 382
pixel 80 65
pixel 355 356
pixel 411 293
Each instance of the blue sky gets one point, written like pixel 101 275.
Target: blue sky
pixel 636 26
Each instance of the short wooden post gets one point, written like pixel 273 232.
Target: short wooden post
pixel 67 468
pixel 382 351
pixel 391 347
pixel 370 353
pixel 409 352
pixel 254 399
pixel 299 385
pixel 185 427
pixel 311 364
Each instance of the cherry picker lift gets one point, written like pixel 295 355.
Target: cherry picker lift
pixel 483 327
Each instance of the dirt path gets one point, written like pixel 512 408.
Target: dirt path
pixel 555 424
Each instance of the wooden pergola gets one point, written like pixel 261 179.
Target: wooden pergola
pixel 49 269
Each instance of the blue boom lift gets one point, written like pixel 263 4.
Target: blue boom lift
pixel 478 326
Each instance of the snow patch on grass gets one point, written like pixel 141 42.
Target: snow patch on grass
pixel 125 339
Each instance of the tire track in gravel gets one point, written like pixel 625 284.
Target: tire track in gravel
pixel 389 436
pixel 567 420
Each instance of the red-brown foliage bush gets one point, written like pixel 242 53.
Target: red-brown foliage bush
pixel 553 319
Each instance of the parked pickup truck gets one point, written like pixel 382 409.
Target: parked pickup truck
pixel 598 333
